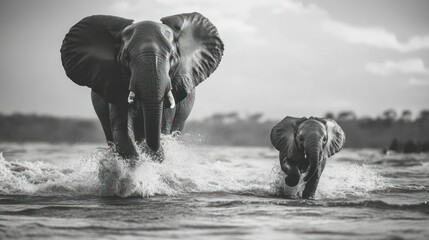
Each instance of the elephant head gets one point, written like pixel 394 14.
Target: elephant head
pixel 148 64
pixel 305 144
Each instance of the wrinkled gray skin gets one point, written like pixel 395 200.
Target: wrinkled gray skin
pixel 305 145
pixel 124 126
pixel 147 48
pixel 142 75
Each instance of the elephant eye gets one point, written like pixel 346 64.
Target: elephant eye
pixel 325 139
pixel 301 139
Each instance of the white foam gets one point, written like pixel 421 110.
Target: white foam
pixel 185 169
pixel 43 178
pixel 345 179
pixel 339 179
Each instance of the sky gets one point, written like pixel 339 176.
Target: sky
pixel 282 57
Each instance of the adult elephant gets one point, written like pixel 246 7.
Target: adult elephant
pixel 305 144
pixel 142 75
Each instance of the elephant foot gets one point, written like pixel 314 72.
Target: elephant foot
pixel 132 162
pixel 125 187
pixel 306 195
pixel 125 146
pixel 157 156
pixel 292 180
pixel 293 174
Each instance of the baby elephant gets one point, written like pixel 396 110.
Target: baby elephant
pixel 305 144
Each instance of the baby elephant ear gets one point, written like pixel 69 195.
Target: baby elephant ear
pixel 88 55
pixel 283 134
pixel 336 136
pixel 199 51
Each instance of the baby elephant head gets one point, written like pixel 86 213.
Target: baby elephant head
pixel 305 144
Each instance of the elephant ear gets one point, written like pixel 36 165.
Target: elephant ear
pixel 88 55
pixel 336 136
pixel 283 135
pixel 199 51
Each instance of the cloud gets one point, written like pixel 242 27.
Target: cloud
pixel 277 50
pixel 418 82
pixel 376 37
pixel 229 15
pixel 295 7
pixel 407 66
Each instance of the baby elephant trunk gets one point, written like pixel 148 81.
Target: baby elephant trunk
pixel 313 158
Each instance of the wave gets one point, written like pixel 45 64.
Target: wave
pixel 104 173
pixel 376 157
pixel 410 188
pixel 337 181
pixel 422 207
pixel 185 170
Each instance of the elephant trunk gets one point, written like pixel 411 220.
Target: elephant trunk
pixel 152 114
pixel 313 154
pixel 150 81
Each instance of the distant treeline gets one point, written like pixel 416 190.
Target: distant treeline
pixel 34 128
pixel 365 132
pixel 389 131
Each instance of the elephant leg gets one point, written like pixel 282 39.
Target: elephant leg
pixel 101 108
pixel 311 185
pixel 167 120
pixel 183 109
pixel 119 124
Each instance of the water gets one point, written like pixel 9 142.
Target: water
pixel 86 191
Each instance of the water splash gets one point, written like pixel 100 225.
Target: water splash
pixel 41 178
pixel 344 180
pixel 339 180
pixel 185 169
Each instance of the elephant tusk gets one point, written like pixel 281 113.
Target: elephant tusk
pixel 131 97
pixel 171 99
